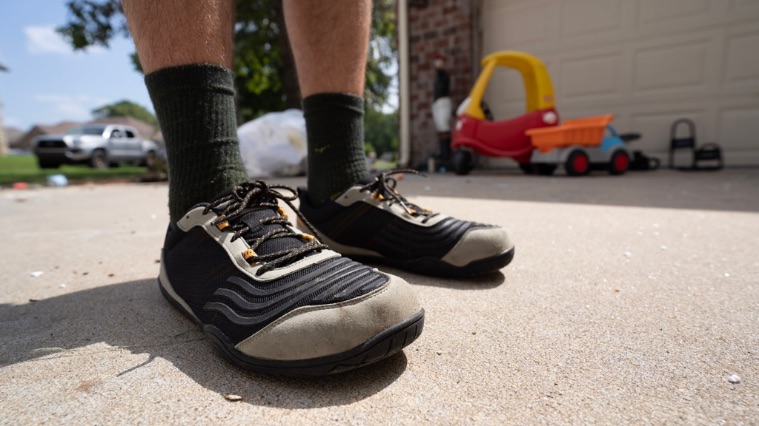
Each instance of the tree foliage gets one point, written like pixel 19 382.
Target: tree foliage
pixel 125 108
pixel 381 131
pixel 265 73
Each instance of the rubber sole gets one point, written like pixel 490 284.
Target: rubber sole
pixel 438 268
pixel 381 346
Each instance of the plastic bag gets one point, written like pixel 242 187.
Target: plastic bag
pixel 274 144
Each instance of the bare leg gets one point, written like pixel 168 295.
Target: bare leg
pixel 170 33
pixel 185 48
pixel 330 39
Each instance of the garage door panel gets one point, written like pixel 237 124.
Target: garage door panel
pixel 741 63
pixel 667 67
pixel 526 23
pixel 739 128
pixel 744 8
pixel 506 86
pixel 659 61
pixel 655 11
pixel 591 76
pixel 585 17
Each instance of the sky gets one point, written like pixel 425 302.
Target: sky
pixel 47 82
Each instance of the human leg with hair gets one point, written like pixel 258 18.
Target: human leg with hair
pixel 359 215
pixel 271 298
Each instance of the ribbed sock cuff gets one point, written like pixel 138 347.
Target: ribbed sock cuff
pixel 335 127
pixel 195 106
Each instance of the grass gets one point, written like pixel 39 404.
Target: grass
pixel 23 168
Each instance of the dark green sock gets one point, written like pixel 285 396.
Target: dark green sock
pixel 195 106
pixel 335 130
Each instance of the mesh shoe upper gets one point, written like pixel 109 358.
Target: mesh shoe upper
pixel 372 221
pixel 376 217
pixel 205 257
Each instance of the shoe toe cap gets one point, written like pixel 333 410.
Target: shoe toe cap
pixel 477 244
pixel 323 330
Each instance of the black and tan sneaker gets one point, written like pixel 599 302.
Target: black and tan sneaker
pixel 275 300
pixel 373 222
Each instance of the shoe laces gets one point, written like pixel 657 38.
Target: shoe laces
pixel 383 190
pixel 257 195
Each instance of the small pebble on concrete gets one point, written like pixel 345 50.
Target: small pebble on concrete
pixel 734 379
pixel 231 397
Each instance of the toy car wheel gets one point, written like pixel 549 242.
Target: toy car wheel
pixel 463 162
pixel 527 168
pixel 578 163
pixel 619 163
pixel 99 160
pixel 546 169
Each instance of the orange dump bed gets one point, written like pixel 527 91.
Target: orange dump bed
pixel 581 131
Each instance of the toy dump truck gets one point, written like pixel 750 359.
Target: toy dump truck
pixel 534 139
pixel 579 145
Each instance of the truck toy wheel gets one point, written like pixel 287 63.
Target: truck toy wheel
pixel 578 163
pixel 527 168
pixel 619 163
pixel 546 169
pixel 463 162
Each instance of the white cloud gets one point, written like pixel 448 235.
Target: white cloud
pixel 75 107
pixel 42 40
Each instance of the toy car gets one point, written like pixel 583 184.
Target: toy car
pixel 535 139
pixel 580 146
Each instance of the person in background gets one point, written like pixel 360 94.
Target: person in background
pixel 442 107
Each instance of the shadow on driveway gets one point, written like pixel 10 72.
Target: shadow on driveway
pixel 134 316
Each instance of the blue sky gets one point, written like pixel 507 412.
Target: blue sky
pixel 48 82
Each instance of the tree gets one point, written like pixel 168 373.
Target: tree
pixel 125 108
pixel 381 131
pixel 265 74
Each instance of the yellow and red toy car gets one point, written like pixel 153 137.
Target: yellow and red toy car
pixel 535 139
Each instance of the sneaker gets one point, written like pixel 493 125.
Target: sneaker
pixel 372 222
pixel 275 300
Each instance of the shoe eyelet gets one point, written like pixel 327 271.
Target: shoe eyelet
pixel 223 225
pixel 248 255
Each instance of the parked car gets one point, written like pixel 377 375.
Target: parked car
pixel 99 145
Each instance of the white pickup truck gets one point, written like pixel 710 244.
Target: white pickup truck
pixel 99 145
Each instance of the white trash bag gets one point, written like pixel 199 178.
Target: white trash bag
pixel 274 144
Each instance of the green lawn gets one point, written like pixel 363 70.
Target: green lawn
pixel 24 169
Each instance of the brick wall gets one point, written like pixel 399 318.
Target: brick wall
pixel 443 26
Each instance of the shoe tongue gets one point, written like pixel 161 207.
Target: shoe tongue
pixel 253 219
pixel 367 179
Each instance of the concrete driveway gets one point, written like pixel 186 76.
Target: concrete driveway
pixel 631 299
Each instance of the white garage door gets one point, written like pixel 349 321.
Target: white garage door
pixel 648 62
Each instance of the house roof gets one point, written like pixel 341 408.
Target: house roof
pixel 25 141
pixel 13 134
